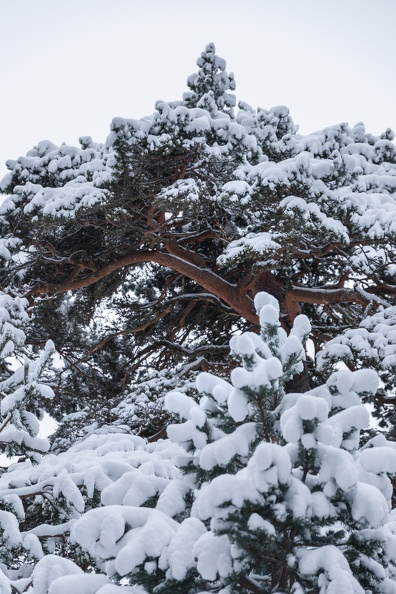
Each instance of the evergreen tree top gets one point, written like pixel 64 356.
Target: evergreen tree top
pixel 210 85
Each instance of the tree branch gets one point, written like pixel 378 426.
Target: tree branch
pixel 185 263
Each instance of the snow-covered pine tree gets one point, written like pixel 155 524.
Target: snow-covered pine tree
pixel 152 246
pixel 108 471
pixel 210 85
pixel 289 499
pixel 22 396
pixel 141 258
pixel 21 392
pixel 257 490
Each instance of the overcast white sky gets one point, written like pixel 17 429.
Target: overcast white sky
pixel 68 67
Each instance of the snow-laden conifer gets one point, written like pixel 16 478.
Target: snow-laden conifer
pixel 257 489
pixel 142 257
pixel 292 501
pixel 210 85
pixel 21 392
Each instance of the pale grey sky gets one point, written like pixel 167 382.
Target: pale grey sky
pixel 68 67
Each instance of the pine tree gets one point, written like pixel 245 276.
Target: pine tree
pixel 293 502
pixel 22 395
pixel 142 258
pixel 276 493
pixel 146 252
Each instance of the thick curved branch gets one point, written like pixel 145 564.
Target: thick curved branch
pixel 201 274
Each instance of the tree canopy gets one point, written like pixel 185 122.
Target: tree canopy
pixel 179 465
